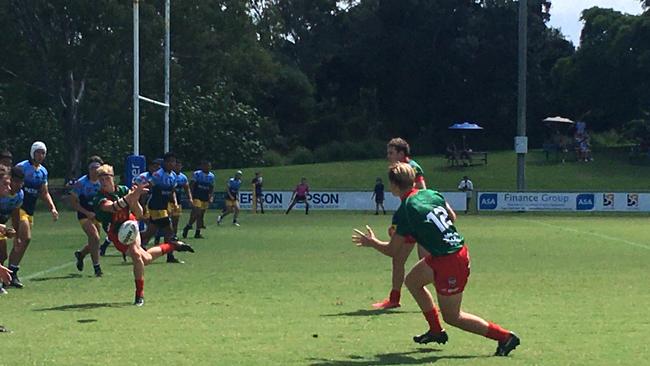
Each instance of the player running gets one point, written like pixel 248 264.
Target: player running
pixel 10 208
pixel 81 199
pixel 426 216
pixel 398 150
pixel 35 186
pixel 115 205
pixel 232 198
pixel 202 193
pixel 300 196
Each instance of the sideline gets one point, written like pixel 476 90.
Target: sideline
pixel 599 235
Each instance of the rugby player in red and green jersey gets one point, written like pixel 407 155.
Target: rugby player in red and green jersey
pixel 426 216
pixel 114 205
pixel 398 150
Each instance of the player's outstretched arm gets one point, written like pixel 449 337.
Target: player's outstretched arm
pixel 369 239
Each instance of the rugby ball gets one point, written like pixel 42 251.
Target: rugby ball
pixel 128 232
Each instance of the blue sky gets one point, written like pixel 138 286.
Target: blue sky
pixel 565 14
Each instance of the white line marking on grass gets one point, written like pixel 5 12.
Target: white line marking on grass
pixel 602 236
pixel 37 274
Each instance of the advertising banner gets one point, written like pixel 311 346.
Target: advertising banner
pixel 328 200
pixel 563 201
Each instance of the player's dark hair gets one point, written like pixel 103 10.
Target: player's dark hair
pixel 6 154
pixel 400 145
pixel 95 159
pixel 168 155
pixel 17 173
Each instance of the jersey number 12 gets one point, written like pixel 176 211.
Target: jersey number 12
pixel 440 217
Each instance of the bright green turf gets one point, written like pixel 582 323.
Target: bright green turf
pixel 611 170
pixel 294 291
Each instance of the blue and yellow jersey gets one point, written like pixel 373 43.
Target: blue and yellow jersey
pixel 35 179
pixel 181 181
pixel 233 187
pixel 86 192
pixel 162 186
pixel 202 184
pixel 9 203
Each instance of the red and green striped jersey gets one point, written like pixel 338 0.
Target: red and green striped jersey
pixel 423 215
pixel 106 218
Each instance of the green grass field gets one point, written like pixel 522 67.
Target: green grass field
pixel 295 291
pixel 611 170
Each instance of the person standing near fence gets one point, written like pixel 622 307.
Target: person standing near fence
pixel 466 186
pixel 378 196
pixel 258 196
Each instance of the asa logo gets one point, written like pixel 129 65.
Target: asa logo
pixel 585 202
pixel 488 201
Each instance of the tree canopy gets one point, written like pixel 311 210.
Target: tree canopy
pixel 253 79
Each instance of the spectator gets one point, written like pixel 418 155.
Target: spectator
pixel 300 196
pixel 258 196
pixel 466 186
pixel 378 196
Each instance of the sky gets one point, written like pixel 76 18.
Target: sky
pixel 565 14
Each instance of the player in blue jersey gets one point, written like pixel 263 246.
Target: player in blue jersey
pixel 10 209
pixel 5 189
pixel 232 198
pixel 202 195
pixel 176 209
pixel 182 185
pixel 35 186
pixel 81 199
pixel 162 191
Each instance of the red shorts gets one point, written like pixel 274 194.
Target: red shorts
pixel 450 272
pixel 112 236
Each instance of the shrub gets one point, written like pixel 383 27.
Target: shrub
pixel 301 155
pixel 273 158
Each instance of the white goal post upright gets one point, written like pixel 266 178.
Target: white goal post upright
pixel 136 78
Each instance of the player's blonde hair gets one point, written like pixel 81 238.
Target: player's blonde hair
pixel 105 169
pixel 402 175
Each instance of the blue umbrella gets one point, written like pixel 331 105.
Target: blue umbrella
pixel 465 126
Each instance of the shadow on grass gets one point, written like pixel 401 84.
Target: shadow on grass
pixel 84 321
pixel 364 312
pixel 400 358
pixel 87 306
pixel 66 277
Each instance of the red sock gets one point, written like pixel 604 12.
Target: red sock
pixel 394 296
pixel 86 248
pixel 139 287
pixel 166 248
pixel 433 320
pixel 497 333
